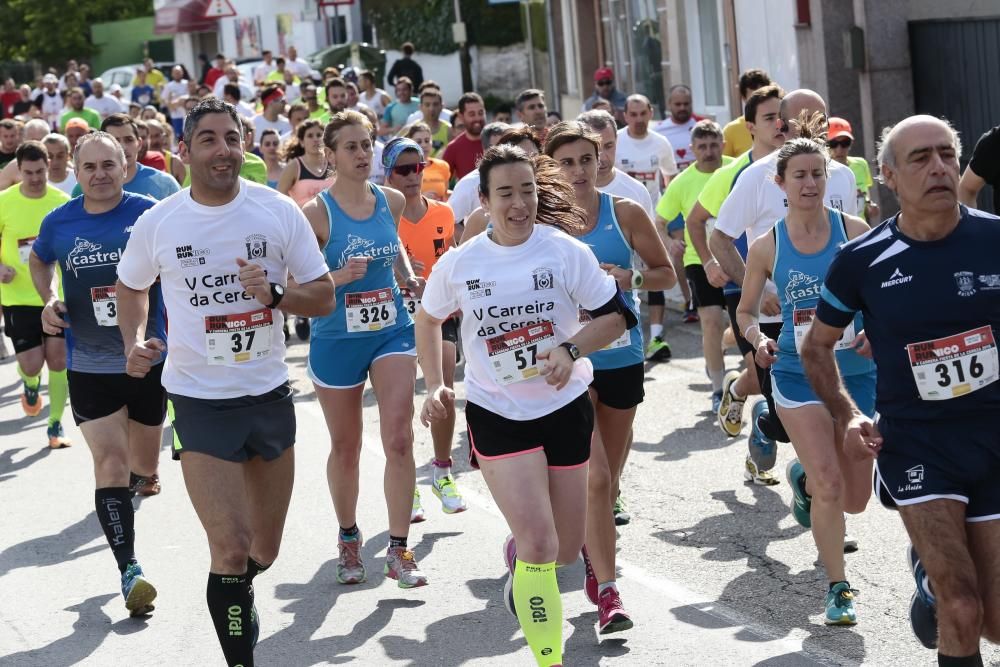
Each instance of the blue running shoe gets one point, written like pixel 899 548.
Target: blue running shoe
pixel 137 591
pixel 801 502
pixel 716 401
pixel 923 606
pixel 840 605
pixel 763 449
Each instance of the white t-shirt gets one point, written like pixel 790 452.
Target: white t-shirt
pixel 623 185
pixel 67 183
pixel 260 123
pixel 298 67
pixel 464 197
pixel 104 105
pixel 374 102
pixel 756 203
pixel 679 135
pixel 193 249
pixel 543 281
pixel 376 173
pixel 262 70
pixel 247 92
pixel 173 91
pixel 445 115
pixel 648 160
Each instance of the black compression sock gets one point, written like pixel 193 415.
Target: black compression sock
pixel 834 583
pixel 397 542
pixel 974 660
pixel 230 601
pixel 351 532
pixel 117 517
pixel 254 568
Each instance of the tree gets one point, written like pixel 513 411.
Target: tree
pixel 53 31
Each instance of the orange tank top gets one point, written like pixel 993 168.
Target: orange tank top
pixel 430 237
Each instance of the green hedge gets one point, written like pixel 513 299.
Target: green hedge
pixel 427 23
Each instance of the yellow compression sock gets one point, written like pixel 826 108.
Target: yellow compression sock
pixel 539 610
pixel 58 395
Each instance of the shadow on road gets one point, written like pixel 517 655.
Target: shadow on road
pixel 8 467
pixel 54 549
pixel 681 442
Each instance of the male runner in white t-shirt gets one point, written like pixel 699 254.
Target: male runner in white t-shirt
pixel 610 179
pixel 677 127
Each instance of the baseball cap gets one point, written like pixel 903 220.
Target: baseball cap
pixel 603 73
pixel 115 88
pixel 839 128
pixel 50 78
pixel 78 123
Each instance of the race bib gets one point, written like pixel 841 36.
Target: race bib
pixel 369 311
pixel 238 338
pixel 622 341
pixel 953 366
pixel 514 355
pixel 24 249
pixel 801 321
pixel 410 302
pixel 105 305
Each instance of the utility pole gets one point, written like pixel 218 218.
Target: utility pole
pixel 460 36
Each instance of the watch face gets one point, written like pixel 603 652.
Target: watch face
pixel 279 289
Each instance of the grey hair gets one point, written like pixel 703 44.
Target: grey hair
pixel 37 122
pixel 490 131
pixel 886 155
pixel 209 105
pixel 97 135
pixel 597 120
pixel 56 138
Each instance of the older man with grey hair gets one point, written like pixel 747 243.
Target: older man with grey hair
pixel 928 283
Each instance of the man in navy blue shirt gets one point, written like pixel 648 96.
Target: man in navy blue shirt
pixel 117 414
pixel 928 284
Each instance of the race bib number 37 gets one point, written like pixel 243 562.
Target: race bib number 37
pixel 514 355
pixel 238 338
pixel 105 305
pixel 369 311
pixel 953 366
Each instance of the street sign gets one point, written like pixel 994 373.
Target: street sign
pixel 219 9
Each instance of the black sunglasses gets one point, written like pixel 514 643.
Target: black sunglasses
pixel 839 143
pixel 407 169
pixel 605 82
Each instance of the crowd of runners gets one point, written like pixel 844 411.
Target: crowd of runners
pixel 150 255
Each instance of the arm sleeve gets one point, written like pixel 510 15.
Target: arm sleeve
pixel 43 242
pixel 840 297
pixel 302 255
pixel 985 161
pixel 738 211
pixel 139 267
pixel 440 298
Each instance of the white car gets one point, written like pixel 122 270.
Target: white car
pixel 125 74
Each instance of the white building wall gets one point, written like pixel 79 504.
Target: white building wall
pixel 766 38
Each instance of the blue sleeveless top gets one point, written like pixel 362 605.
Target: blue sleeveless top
pixel 371 304
pixel 608 243
pixel 799 278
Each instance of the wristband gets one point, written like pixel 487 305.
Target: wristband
pixel 752 326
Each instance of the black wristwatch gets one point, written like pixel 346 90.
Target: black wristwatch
pixel 574 351
pixel 277 294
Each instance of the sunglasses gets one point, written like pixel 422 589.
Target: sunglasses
pixel 605 82
pixel 407 169
pixel 839 143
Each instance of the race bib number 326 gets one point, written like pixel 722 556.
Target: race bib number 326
pixel 369 311
pixel 238 338
pixel 514 355
pixel 953 366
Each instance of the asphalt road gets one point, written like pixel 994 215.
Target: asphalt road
pixel 713 571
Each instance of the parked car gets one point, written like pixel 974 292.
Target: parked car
pixel 123 75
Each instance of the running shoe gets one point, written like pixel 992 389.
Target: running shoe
pixel 752 473
pixel 447 492
pixel 137 591
pixel 140 485
pixel 350 568
pixel 508 595
pixel 840 605
pixel 31 401
pixel 611 614
pixel 763 450
pixel 658 350
pixel 589 578
pixel 730 410
pixel 302 328
pixel 801 502
pixel 691 316
pixel 510 553
pixel 716 401
pixel 57 436
pixel 622 516
pixel 417 511
pixel 923 605
pixel 401 565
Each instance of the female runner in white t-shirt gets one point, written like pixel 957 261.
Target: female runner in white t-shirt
pixel 520 287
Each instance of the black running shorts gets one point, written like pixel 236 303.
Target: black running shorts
pixel 564 435
pixel 96 395
pixel 235 429
pixel 655 298
pixel 23 325
pixel 620 388
pixel 703 292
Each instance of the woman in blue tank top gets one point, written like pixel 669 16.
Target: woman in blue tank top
pixel 369 335
pixel 796 255
pixel 616 226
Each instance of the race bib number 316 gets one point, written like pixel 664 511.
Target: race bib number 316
pixel 238 338
pixel 514 355
pixel 953 366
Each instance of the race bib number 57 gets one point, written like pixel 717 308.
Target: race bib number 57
pixel 238 338
pixel 953 366
pixel 514 355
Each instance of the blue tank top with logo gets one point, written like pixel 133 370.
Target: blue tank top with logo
pixel 608 243
pixel 799 278
pixel 371 304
